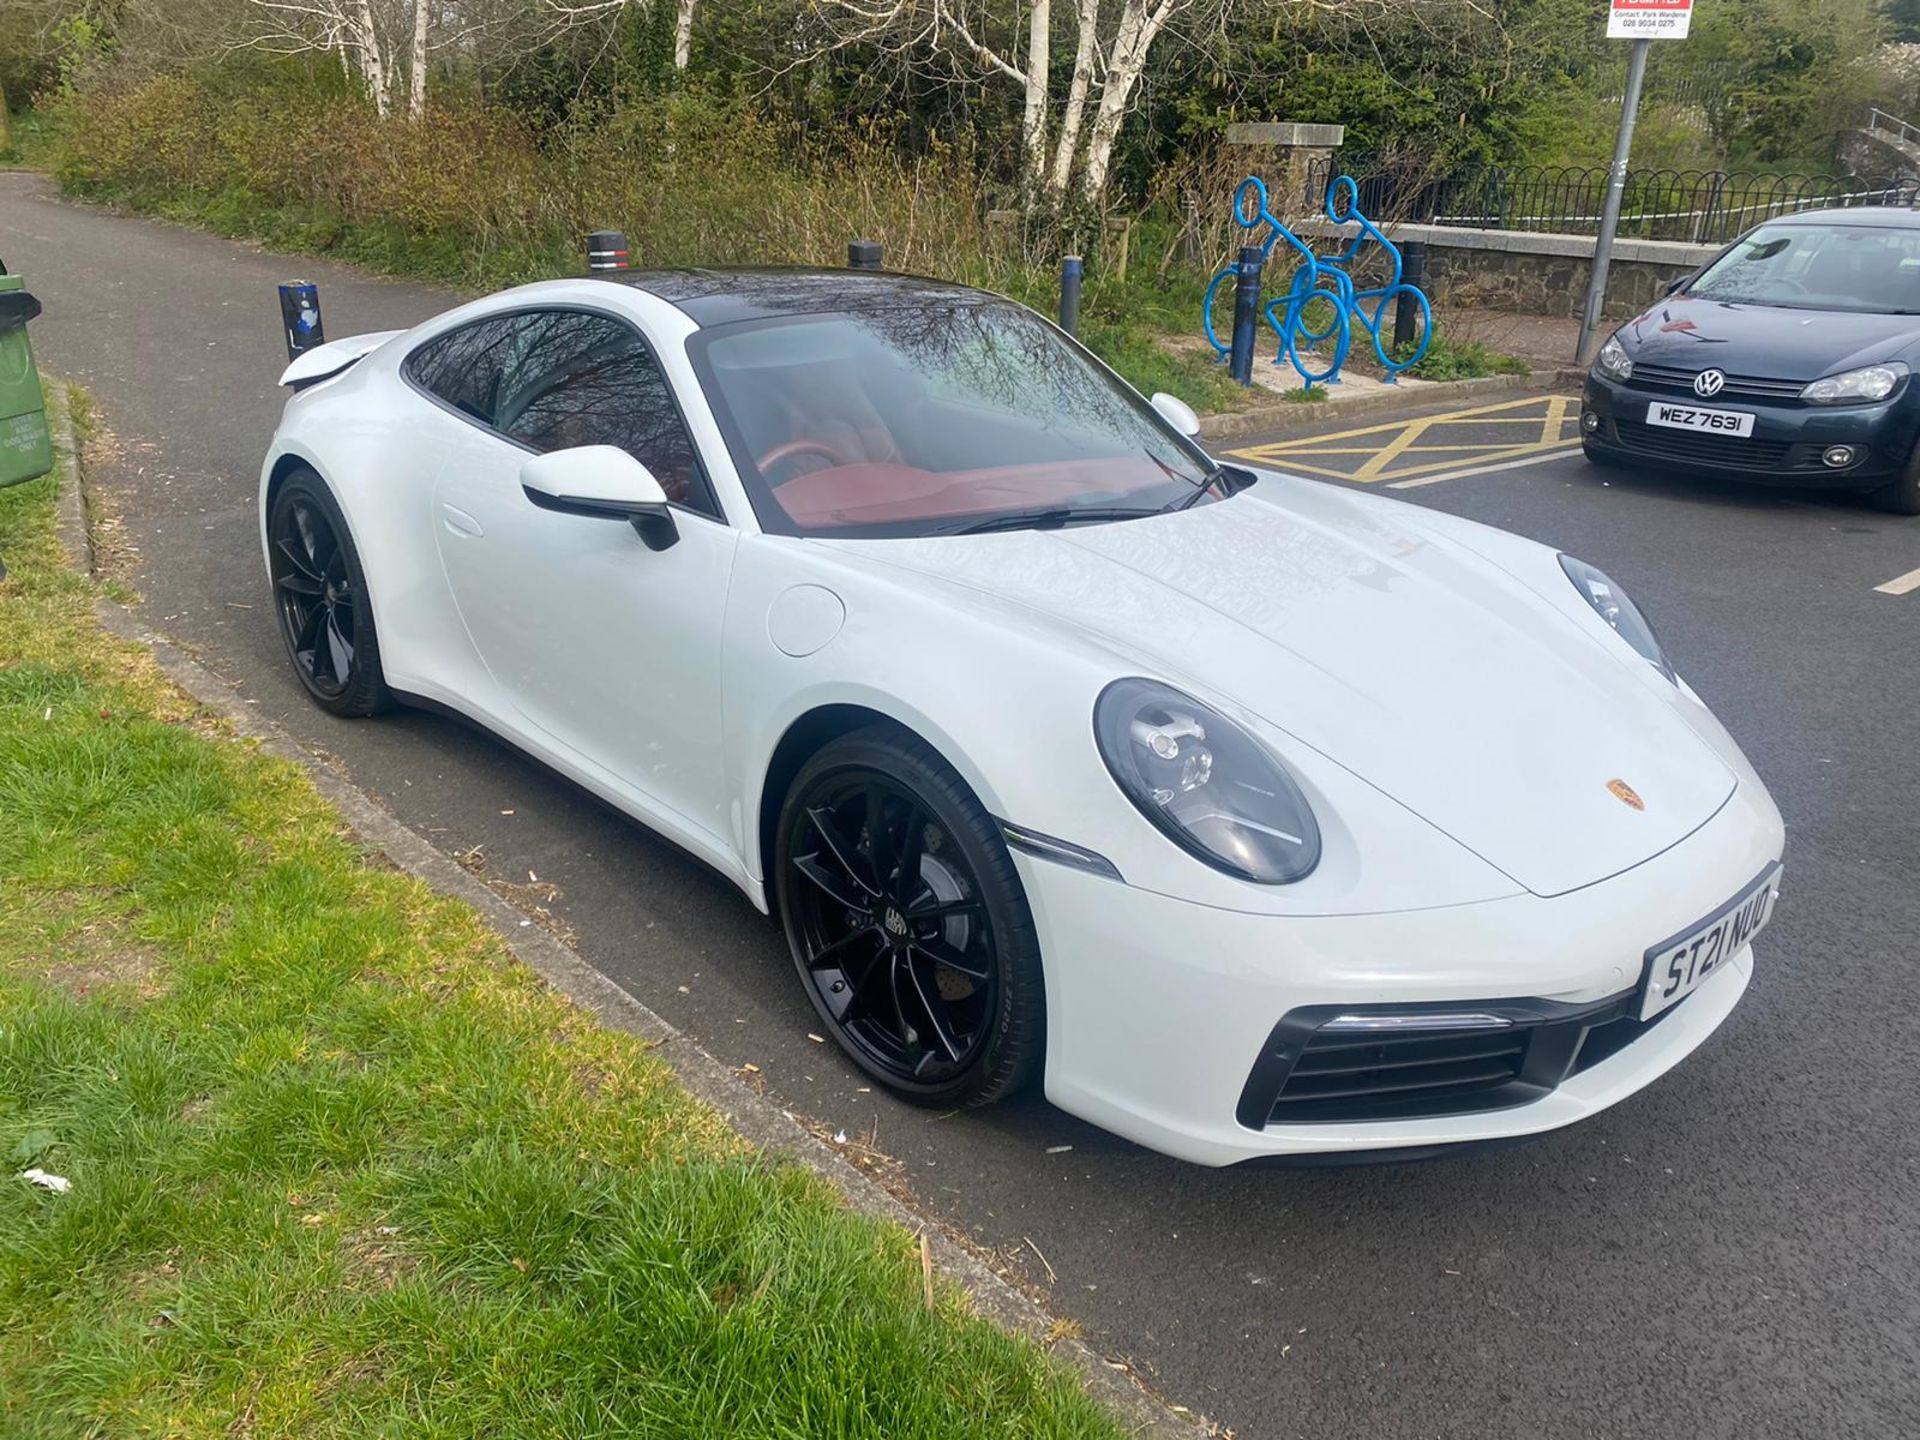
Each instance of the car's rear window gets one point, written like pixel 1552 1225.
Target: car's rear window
pixel 1865 268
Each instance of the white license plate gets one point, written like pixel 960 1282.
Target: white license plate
pixel 1678 968
pixel 1690 417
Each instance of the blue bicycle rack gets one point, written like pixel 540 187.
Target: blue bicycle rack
pixel 1324 285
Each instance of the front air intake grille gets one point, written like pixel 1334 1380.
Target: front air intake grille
pixel 1424 1061
pixel 1335 1070
pixel 1701 447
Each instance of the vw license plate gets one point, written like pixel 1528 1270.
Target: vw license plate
pixel 1679 967
pixel 1691 417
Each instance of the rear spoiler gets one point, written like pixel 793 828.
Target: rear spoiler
pixel 323 361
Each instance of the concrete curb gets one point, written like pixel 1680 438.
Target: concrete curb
pixel 1290 415
pixel 757 1119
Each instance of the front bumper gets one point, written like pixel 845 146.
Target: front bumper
pixel 1787 444
pixel 1159 1010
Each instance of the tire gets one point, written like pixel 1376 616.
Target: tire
pixel 1902 497
pixel 321 599
pixel 885 949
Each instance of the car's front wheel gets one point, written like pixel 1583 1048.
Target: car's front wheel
pixel 1902 497
pixel 320 597
pixel 907 921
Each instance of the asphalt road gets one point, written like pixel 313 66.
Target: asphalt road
pixel 1732 1253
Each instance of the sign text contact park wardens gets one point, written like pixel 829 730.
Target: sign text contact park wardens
pixel 1649 19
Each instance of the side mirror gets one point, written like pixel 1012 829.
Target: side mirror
pixel 1177 413
pixel 602 482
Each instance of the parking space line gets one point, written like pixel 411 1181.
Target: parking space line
pixel 1901 584
pixel 1525 460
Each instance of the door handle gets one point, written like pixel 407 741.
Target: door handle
pixel 459 523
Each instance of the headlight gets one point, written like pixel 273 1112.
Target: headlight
pixel 1614 360
pixel 1618 611
pixel 1207 784
pixel 1873 382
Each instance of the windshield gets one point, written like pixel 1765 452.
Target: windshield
pixel 929 418
pixel 1860 268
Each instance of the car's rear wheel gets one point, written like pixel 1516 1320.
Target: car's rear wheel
pixel 320 597
pixel 1902 497
pixel 907 921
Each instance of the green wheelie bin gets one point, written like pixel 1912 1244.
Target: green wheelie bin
pixel 26 450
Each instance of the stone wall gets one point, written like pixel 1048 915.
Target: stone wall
pixel 1879 153
pixel 1539 274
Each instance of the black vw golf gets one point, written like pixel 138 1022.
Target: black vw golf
pixel 1788 359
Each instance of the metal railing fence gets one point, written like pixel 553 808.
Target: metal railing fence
pixel 1700 206
pixel 1878 119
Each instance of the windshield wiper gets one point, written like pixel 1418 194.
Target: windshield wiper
pixel 1050 519
pixel 1230 478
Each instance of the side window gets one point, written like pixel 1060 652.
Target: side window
pixel 463 367
pixel 578 379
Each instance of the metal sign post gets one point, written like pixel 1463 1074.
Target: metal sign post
pixel 1642 21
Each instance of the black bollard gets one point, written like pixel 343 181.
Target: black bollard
pixel 1406 312
pixel 1071 273
pixel 300 317
pixel 607 250
pixel 863 255
pixel 1246 313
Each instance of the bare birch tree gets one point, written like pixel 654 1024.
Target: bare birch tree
pixel 386 46
pixel 1114 41
pixel 574 12
pixel 1113 46
pixel 682 33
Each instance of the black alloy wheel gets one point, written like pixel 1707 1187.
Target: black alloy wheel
pixel 320 597
pixel 901 939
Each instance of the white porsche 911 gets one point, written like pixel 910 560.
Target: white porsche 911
pixel 1255 816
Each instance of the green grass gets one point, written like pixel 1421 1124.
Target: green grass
pixel 1462 360
pixel 340 1166
pixel 32 142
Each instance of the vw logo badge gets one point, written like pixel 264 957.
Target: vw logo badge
pixel 1709 383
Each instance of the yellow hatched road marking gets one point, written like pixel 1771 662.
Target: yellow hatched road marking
pixel 1556 417
pixel 1532 459
pixel 1397 441
pixel 1505 452
pixel 1261 452
pixel 1390 452
pixel 1324 450
pixel 1418 449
